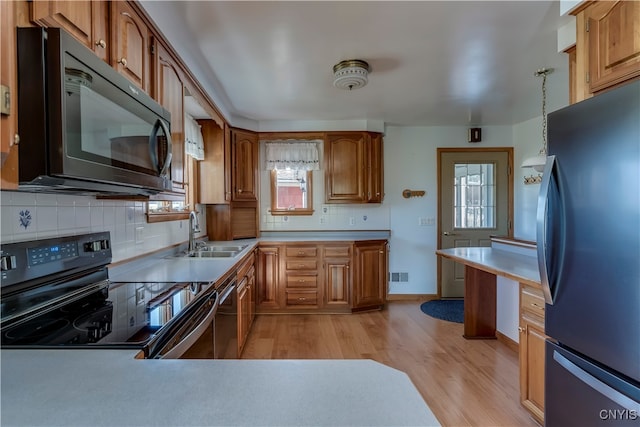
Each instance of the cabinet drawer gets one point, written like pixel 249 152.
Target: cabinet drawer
pixel 302 281
pixel 307 264
pixel 301 251
pixel 302 298
pixel 532 300
pixel 337 251
pixel 246 266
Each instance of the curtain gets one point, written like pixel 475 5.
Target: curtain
pixel 193 141
pixel 292 155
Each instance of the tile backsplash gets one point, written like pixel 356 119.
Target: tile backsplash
pixel 30 216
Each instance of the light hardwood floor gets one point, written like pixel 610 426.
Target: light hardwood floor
pixel 464 382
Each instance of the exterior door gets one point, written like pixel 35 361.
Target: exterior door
pixel 475 202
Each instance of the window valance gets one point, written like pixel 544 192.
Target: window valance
pixel 193 141
pixel 292 155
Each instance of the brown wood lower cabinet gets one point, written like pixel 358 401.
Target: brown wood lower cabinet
pixel 245 277
pixel 337 276
pixel 268 276
pixel 370 275
pixel 318 277
pixel 532 353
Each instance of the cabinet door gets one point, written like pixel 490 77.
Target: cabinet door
pixel 85 20
pixel 245 165
pixel 243 311
pixel 375 176
pixel 130 45
pixel 614 42
pixel 251 290
pixel 215 169
pixel 532 338
pixel 169 92
pixel 268 277
pixel 337 279
pixel 345 168
pixel 8 122
pixel 371 274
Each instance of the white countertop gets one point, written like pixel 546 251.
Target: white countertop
pixel 111 388
pixel 167 268
pixel 518 267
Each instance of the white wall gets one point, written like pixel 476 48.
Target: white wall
pixel 29 216
pixel 410 155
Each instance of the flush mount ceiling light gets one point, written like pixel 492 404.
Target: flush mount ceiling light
pixel 350 74
pixel 538 162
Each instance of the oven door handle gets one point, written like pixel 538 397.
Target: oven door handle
pixel 224 293
pixel 191 333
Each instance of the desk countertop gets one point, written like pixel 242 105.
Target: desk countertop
pixel 518 267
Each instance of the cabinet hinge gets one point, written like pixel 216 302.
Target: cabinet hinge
pixel 152 49
pixel 587 77
pixel 586 26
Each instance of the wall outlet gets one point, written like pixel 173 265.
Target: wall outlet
pixel 431 221
pixel 323 220
pixel 422 221
pixel 139 235
pixel 352 220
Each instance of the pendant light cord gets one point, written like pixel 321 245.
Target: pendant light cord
pixel 544 113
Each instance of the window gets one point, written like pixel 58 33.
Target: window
pixel 474 195
pixel 291 164
pixel 166 210
pixel 291 192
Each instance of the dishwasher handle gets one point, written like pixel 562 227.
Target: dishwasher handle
pixel 188 332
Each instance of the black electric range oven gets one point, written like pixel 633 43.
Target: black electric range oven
pixel 56 293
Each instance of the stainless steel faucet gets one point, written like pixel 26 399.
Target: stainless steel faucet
pixel 194 227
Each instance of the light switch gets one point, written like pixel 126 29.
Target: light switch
pixel 5 100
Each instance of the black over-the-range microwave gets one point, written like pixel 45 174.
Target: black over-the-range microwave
pixel 84 127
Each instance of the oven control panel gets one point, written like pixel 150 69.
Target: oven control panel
pixel 26 261
pixel 44 254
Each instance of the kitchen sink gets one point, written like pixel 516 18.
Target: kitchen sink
pixel 213 254
pixel 221 248
pixel 214 251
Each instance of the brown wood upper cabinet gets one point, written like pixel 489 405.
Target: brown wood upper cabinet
pixel 607 46
pixel 353 167
pixel 86 20
pixel 169 92
pixel 130 49
pixel 8 71
pixel 215 169
pixel 245 165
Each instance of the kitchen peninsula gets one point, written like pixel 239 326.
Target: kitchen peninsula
pixel 482 265
pixel 503 294
pixel 111 388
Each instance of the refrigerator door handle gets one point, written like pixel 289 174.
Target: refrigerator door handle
pixel 541 218
pixel 602 388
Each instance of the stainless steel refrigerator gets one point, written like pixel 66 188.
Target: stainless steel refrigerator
pixel 589 259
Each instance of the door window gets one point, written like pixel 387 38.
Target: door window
pixel 474 192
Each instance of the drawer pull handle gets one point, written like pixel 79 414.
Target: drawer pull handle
pixel 101 43
pixel 301 280
pixel 300 252
pixel 301 299
pixel 521 329
pixel 537 306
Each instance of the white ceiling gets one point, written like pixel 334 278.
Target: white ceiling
pixel 432 63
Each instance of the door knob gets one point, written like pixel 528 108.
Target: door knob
pixel 447 233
